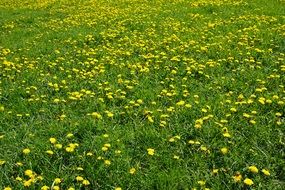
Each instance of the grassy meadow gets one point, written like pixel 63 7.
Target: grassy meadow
pixel 149 94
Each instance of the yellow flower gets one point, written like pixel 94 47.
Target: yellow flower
pixel 176 157
pixel 180 103
pixel 253 169
pixel 265 172
pixel 226 134
pixel 150 151
pixel 110 114
pixel 107 145
pixel 132 171
pixel 237 177
pixel 19 164
pixel 215 171
pixel 28 183
pixel 89 154
pixel 69 135
pixel 248 181
pixel 56 188
pixel 58 146
pixel 107 162
pixel 69 149
pixel 7 188
pixel 50 152
pixel 52 140
pixel 118 188
pixel 29 173
pixel 2 162
pixel 85 182
pixel 202 183
pixel 57 180
pixel 45 187
pixel 224 150
pixel 79 178
pixel 26 151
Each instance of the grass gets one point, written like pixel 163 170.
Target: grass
pixel 98 94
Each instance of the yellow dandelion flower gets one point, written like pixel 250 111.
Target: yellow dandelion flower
pixel 85 182
pixel 58 146
pixel 44 187
pixel 52 140
pixel 57 180
pixel 237 177
pixel 79 178
pixel 150 151
pixel 2 162
pixel 265 172
pixel 50 152
pixel 132 171
pixel 224 150
pixel 248 181
pixel 253 169
pixel 26 151
pixel 107 162
pixel 29 173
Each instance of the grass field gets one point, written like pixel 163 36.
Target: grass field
pixel 149 94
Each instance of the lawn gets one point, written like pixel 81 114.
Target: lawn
pixel 149 94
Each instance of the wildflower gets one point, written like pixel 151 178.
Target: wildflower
pixel 150 151
pixel 118 188
pixel 69 135
pixel 45 187
pixel 132 171
pixel 248 181
pixel 28 183
pixel 29 173
pixel 58 146
pixel 180 103
pixel 2 162
pixel 85 182
pixel 50 152
pixel 253 169
pixel 52 140
pixel 226 134
pixel 26 151
pixel 237 177
pixel 7 188
pixel 215 171
pixel 109 114
pixel 19 164
pixel 265 172
pixel 79 178
pixel 56 188
pixel 107 162
pixel 176 157
pixel 202 183
pixel 89 154
pixel 69 149
pixel 57 180
pixel 224 150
